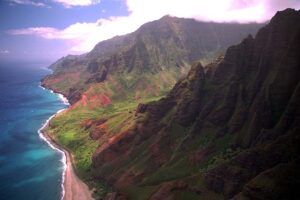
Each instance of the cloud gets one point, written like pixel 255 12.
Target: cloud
pixel 65 3
pixel 71 3
pixel 28 2
pixel 45 32
pixel 83 36
pixel 4 51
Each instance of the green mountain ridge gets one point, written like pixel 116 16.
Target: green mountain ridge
pixel 221 132
pixel 168 44
pixel 226 131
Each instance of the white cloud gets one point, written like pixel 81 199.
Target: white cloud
pixel 45 32
pixel 71 3
pixel 4 51
pixel 83 36
pixel 28 2
pixel 65 3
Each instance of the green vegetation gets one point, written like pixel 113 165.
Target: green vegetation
pixel 139 193
pixel 68 129
pixel 179 169
pixel 173 142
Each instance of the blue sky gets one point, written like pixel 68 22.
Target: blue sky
pixel 16 15
pixel 49 29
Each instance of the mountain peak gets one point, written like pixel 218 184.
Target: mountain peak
pixel 167 17
pixel 285 15
pixel 286 11
pixel 169 44
pixel 170 18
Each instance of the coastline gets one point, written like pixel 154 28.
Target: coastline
pixel 73 188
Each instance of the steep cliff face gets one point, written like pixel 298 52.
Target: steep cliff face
pixel 227 130
pixel 165 46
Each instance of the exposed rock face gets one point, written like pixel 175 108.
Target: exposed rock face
pixel 165 45
pixel 227 129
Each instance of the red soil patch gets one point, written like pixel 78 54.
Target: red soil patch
pixel 99 100
pixel 86 123
pixel 105 100
pixel 103 126
pixel 116 138
pixel 102 100
pixel 84 100
pixel 153 90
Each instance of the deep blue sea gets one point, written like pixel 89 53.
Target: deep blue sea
pixel 29 168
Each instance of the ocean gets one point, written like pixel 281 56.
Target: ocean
pixel 29 168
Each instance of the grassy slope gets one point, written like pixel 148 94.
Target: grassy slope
pixel 114 101
pixel 125 93
pixel 68 131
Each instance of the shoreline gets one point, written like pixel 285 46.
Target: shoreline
pixel 73 188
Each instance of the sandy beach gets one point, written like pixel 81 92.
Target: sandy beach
pixel 74 188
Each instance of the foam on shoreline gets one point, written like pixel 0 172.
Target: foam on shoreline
pixel 62 97
pixel 49 142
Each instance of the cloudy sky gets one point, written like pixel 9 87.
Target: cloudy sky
pixel 49 29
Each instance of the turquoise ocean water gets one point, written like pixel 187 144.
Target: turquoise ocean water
pixel 29 168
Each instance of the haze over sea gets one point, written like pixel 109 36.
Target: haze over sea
pixel 29 168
